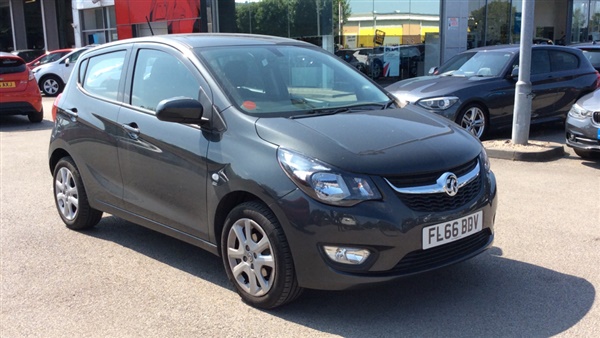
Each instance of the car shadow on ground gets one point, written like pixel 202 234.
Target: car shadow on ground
pixel 21 123
pixel 485 296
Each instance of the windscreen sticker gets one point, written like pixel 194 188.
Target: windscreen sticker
pixel 250 105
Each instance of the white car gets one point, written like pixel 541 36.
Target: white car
pixel 51 77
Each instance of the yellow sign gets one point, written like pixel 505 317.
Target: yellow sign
pixel 379 37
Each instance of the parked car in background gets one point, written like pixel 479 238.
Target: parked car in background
pixel 49 57
pixel 479 95
pixel 591 50
pixel 51 77
pixel 28 54
pixel 411 56
pixel 453 63
pixel 352 57
pixel 583 126
pixel 279 158
pixel 19 94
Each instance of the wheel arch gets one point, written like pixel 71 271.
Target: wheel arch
pixel 45 76
pixel 225 206
pixel 56 155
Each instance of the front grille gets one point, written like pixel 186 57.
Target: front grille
pixel 422 260
pixel 436 201
pixel 441 201
pixel 429 178
pixel 596 117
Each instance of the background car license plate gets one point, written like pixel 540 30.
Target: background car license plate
pixel 7 85
pixel 439 234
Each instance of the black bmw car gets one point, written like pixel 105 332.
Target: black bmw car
pixel 479 95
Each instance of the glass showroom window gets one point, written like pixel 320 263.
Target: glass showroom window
pixel 99 25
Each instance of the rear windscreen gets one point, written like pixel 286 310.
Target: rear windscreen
pixel 10 65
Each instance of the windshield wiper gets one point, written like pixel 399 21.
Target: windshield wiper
pixel 345 109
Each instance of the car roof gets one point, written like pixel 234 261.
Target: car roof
pixel 194 40
pixel 514 48
pixel 9 55
pixel 591 45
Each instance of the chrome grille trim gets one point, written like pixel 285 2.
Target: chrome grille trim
pixel 438 187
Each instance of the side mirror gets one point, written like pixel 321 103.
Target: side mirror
pixel 432 70
pixel 515 72
pixel 181 110
pixel 67 62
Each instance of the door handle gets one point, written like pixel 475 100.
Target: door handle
pixel 132 130
pixel 72 113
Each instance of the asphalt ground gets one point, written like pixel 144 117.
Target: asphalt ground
pixel 540 278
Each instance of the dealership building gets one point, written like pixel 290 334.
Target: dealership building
pixel 445 27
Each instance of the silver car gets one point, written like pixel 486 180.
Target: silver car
pixel 583 126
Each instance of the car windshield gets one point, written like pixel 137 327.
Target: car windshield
pixel 484 64
pixel 289 80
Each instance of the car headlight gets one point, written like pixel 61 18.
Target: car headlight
pixel 579 112
pixel 438 103
pixel 324 183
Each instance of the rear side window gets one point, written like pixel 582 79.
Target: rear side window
pixel 103 74
pixel 10 66
pixel 560 61
pixel 593 55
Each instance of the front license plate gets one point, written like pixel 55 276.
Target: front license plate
pixel 443 233
pixel 7 85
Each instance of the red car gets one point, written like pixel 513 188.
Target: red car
pixel 19 92
pixel 49 57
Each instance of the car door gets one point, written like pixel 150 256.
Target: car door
pixel 90 123
pixel 163 164
pixel 502 98
pixel 543 84
pixel 569 80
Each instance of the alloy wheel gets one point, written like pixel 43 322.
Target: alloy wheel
pixel 67 196
pixel 250 257
pixel 473 120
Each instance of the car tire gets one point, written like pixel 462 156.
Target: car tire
pixel 257 257
pixel 36 117
pixel 70 197
pixel 376 69
pixel 587 154
pixel 51 85
pixel 474 119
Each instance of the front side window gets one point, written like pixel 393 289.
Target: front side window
pixel 103 74
pixel 158 76
pixel 287 79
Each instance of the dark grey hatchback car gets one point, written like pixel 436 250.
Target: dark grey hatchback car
pixel 273 154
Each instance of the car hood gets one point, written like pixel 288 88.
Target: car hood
pixel 382 142
pixel 411 90
pixel 590 101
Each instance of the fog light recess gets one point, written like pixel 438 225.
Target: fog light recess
pixel 346 255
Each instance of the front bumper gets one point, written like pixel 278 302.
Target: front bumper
pixel 582 134
pixel 389 229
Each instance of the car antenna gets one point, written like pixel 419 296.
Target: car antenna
pixel 149 26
